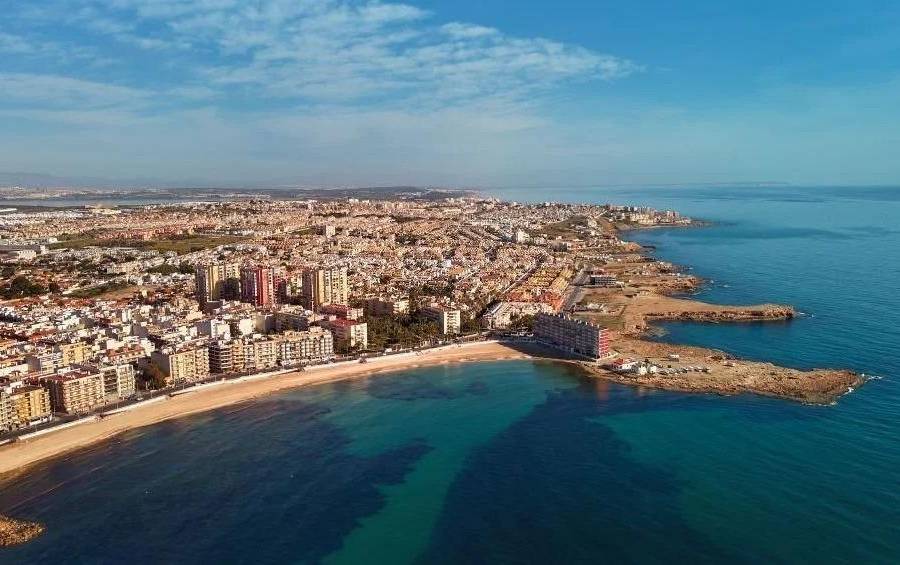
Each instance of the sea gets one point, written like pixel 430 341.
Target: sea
pixel 532 462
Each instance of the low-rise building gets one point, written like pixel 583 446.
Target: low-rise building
pixel 387 306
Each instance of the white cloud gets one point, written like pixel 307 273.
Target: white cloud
pixel 337 50
pixel 64 92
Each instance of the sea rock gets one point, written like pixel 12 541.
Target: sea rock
pixel 15 532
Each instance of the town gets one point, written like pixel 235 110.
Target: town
pixel 107 306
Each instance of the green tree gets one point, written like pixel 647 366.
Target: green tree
pixel 21 287
pixel 154 377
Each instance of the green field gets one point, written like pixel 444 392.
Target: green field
pixel 180 244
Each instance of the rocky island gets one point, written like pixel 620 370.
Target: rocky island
pixel 15 532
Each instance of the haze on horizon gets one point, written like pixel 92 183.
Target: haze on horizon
pixel 468 93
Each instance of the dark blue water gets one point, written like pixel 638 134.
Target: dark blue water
pixel 532 463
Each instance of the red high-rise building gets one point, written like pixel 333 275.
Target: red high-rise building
pixel 258 285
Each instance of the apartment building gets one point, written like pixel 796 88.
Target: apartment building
pixel 118 381
pixel 573 335
pixel 44 362
pixel 187 364
pixel 258 285
pixel 73 353
pixel 325 286
pixel 226 356
pixel 316 344
pixel 259 354
pixel 387 306
pixel 342 311
pixel 448 319
pixel 31 405
pixel 216 281
pixel 348 333
pixel 76 392
pixel 8 417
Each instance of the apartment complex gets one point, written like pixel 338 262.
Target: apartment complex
pixel 23 406
pixel 258 285
pixel 573 335
pixel 448 319
pixel 348 333
pixel 76 392
pixel 325 286
pixel 260 353
pixel 316 344
pixel 216 281
pixel 188 364
pixel 387 306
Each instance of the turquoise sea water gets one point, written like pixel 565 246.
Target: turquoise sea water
pixel 531 463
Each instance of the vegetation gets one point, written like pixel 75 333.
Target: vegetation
pixel 166 269
pixel 99 290
pixel 179 244
pixel 402 330
pixel 22 287
pixel 523 323
pixel 153 378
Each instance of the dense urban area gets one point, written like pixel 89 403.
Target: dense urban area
pixel 107 304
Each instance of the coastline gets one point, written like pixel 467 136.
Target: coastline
pixel 18 457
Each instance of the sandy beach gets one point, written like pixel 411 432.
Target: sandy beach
pixel 17 456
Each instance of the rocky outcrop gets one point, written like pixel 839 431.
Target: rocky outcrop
pixel 15 532
pixel 725 314
pixel 723 374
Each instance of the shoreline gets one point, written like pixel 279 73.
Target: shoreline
pixel 18 457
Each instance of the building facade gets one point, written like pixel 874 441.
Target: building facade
pixel 573 335
pixel 448 319
pixel 325 286
pixel 188 364
pixel 76 392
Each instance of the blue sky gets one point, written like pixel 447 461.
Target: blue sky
pixel 465 93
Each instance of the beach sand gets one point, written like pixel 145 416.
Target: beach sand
pixel 16 457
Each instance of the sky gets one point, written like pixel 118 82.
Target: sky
pixel 468 93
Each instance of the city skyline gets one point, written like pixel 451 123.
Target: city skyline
pixel 325 93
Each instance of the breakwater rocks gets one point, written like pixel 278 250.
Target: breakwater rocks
pixel 15 532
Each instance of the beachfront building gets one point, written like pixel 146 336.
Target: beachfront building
pixel 118 381
pixel 179 365
pixel 226 356
pixel 31 404
pixel 448 319
pixel 325 286
pixel 349 334
pixel 259 354
pixel 8 418
pixel 316 344
pixel 572 335
pixel 76 392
